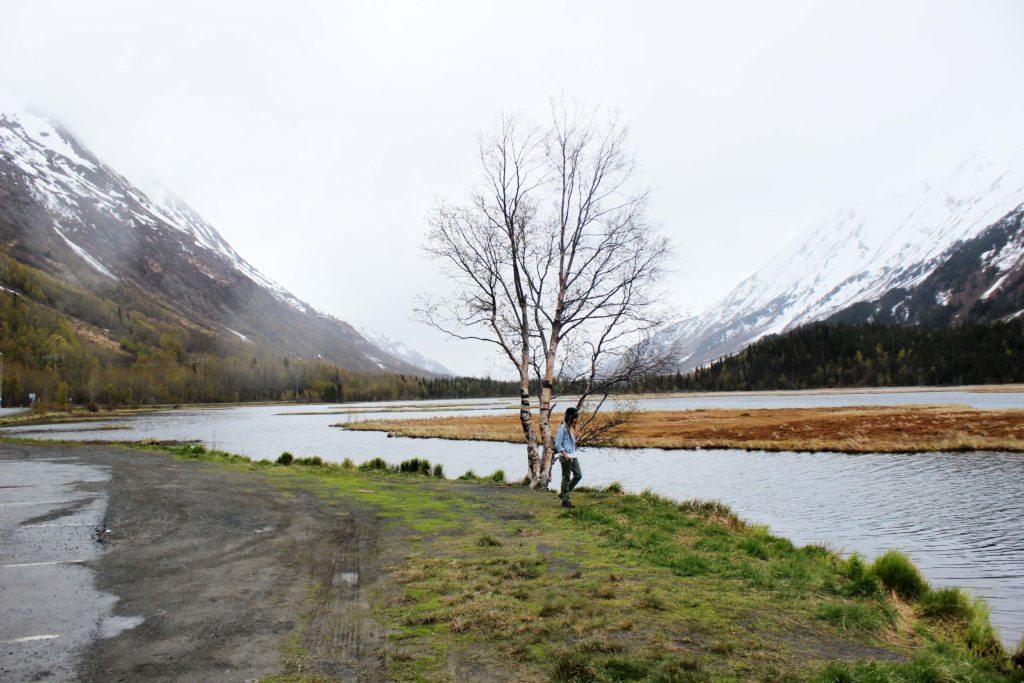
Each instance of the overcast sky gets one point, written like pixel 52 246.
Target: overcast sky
pixel 316 135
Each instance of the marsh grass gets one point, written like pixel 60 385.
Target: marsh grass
pixel 981 635
pixel 415 466
pixel 946 602
pixel 1017 659
pixel 627 587
pixel 860 579
pixel 866 429
pixel 899 574
pixel 375 464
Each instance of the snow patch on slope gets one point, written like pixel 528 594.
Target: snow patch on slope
pixel 239 335
pixel 85 256
pixel 1003 263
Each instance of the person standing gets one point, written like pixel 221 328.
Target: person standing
pixel 565 446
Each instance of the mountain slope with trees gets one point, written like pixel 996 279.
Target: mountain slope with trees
pixel 111 295
pixel 65 344
pixel 66 214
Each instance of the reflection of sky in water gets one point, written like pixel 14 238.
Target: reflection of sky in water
pixel 958 515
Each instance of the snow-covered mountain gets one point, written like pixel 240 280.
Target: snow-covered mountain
pixel 980 279
pixel 66 212
pixel 400 350
pixel 855 256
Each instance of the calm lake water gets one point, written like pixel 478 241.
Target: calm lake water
pixel 959 516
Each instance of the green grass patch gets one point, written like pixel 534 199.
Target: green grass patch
pixel 899 574
pixel 938 665
pixel 946 602
pixel 853 617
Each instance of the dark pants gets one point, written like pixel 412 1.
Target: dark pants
pixel 569 466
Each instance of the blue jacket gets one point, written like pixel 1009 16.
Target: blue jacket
pixel 564 442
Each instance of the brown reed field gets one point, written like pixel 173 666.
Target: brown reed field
pixel 863 429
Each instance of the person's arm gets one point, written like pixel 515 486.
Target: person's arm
pixel 560 439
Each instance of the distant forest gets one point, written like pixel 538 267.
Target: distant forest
pixel 826 355
pixel 67 345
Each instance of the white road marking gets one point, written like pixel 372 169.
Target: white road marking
pixel 45 502
pixel 41 564
pixel 28 639
pixel 33 526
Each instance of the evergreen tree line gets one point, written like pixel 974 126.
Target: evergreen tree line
pixel 869 355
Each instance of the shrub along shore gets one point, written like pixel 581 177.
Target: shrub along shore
pixel 863 429
pixel 495 582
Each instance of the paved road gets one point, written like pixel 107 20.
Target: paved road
pixel 125 566
pixel 51 512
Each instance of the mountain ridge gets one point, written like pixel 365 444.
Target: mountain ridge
pixel 980 279
pixel 854 256
pixel 64 211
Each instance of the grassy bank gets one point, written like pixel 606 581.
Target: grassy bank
pixel 488 581
pixel 74 414
pixel 903 429
pixel 50 414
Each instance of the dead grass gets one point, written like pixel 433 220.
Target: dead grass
pixel 872 429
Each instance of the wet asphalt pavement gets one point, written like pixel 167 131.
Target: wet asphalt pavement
pixel 51 516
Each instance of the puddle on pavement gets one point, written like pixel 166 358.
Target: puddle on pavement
pixel 112 627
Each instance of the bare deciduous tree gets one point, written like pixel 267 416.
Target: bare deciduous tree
pixel 555 264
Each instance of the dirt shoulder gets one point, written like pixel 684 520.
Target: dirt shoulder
pixel 868 429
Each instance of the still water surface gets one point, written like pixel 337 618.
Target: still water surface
pixel 959 516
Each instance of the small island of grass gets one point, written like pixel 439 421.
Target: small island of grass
pixel 862 429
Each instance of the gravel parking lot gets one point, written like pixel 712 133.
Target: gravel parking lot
pixel 118 565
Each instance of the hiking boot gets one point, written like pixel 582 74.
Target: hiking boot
pixel 567 504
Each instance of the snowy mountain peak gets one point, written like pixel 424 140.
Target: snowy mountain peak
pixel 65 211
pixel 856 255
pixel 400 350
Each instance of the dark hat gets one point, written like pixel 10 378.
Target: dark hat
pixel 571 413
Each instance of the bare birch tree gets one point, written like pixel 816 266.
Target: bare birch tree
pixel 555 264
